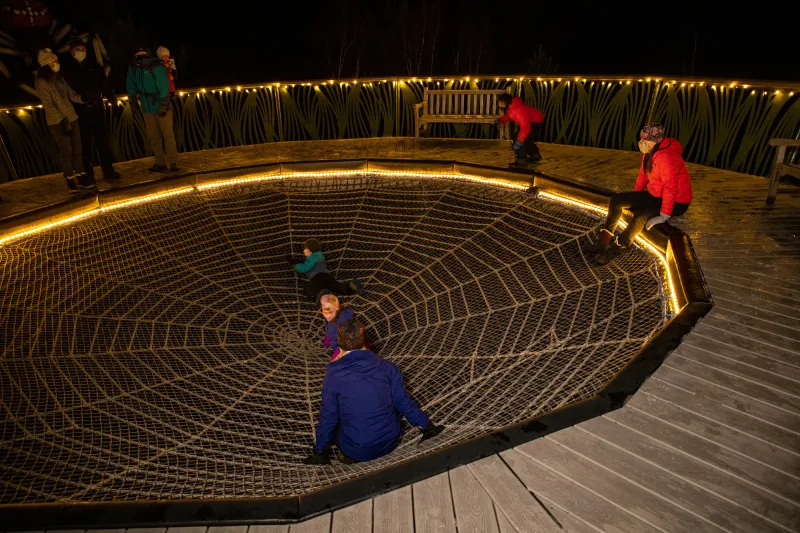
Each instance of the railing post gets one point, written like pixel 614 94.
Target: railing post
pixel 653 103
pixel 8 173
pixel 278 112
pixel 397 108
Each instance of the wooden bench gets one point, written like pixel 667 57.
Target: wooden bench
pixel 458 107
pixel 779 168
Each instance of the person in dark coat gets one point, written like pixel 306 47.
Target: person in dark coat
pixel 320 280
pixel 89 80
pixel 363 400
pixel 529 120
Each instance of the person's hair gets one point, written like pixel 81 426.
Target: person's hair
pixel 350 335
pixel 648 158
pixel 504 98
pixel 313 245
pixel 46 73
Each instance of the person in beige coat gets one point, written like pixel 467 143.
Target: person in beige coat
pixel 57 97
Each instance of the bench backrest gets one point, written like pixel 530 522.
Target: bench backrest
pixel 462 102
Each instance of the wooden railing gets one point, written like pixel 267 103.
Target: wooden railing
pixel 721 123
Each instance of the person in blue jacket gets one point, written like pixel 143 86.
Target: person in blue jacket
pixel 320 280
pixel 148 92
pixel 363 400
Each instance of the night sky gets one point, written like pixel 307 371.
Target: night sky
pixel 241 42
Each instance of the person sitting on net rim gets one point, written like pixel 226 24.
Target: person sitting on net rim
pixel 363 400
pixel 663 190
pixel 320 280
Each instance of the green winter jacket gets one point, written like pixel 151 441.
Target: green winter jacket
pixel 148 81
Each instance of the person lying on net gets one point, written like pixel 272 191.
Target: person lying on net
pixel 335 315
pixel 663 190
pixel 364 397
pixel 315 267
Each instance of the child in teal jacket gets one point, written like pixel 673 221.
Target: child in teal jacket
pixel 320 280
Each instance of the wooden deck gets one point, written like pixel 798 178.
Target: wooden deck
pixel 710 443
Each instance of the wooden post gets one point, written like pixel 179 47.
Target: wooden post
pixel 397 108
pixel 278 112
pixel 774 176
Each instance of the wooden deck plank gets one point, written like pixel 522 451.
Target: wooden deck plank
pixel 503 524
pixel 775 323
pixel 433 505
pixel 320 524
pixel 752 331
pixel 473 506
pixel 510 495
pixel 695 415
pixel 588 507
pixel 645 505
pixel 782 366
pixel 393 512
pixel 146 530
pixel 269 529
pixel 353 519
pixel 187 529
pixel 234 529
pixel 761 509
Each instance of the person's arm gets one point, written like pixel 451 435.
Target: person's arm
pixel 670 168
pixel 162 83
pixel 402 400
pixel 641 179
pixel 524 131
pixel 45 95
pixel 130 86
pixel 306 265
pixel 106 88
pixel 503 118
pixel 73 96
pixel 328 416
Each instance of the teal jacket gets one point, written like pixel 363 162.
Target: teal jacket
pixel 313 265
pixel 148 81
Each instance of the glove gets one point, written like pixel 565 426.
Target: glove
pixel 518 145
pixel 430 431
pixel 67 125
pixel 326 342
pixel 318 458
pixel 656 220
pixel 496 122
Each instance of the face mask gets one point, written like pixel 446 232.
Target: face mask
pixel 644 147
pixel 55 67
pixel 79 56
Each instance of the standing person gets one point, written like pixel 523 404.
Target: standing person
pixel 529 120
pixel 169 63
pixel 57 98
pixel 364 396
pixel 320 280
pixel 663 190
pixel 89 80
pixel 148 92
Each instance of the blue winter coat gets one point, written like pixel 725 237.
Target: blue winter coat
pixel 364 395
pixel 313 265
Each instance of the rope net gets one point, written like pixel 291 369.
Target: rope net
pixel 164 351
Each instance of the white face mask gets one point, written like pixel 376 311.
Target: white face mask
pixel 79 56
pixel 644 147
pixel 55 67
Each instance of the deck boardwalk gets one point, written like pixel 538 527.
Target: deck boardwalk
pixel 710 443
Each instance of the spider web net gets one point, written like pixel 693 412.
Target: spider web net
pixel 164 351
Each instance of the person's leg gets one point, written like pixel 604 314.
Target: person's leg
pixel 627 200
pixel 84 121
pixel 165 124
pixel 154 135
pixel 530 141
pixel 64 148
pixel 320 282
pixel 75 144
pixel 100 139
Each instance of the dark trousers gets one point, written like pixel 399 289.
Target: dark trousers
pixel 94 137
pixel 529 148
pixel 643 205
pixel 68 139
pixel 325 281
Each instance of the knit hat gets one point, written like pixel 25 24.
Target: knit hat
pixel 140 50
pixel 330 306
pixel 652 132
pixel 76 42
pixel 313 245
pixel 350 335
pixel 162 50
pixel 46 56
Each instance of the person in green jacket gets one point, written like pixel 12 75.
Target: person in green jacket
pixel 148 91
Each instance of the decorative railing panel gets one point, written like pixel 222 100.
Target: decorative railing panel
pixel 721 125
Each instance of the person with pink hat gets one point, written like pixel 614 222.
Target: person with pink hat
pixel 335 315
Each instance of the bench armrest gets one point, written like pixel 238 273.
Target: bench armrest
pixel 784 142
pixel 421 105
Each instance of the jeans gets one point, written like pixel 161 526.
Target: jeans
pixel 94 135
pixel 159 128
pixel 529 148
pixel 322 281
pixel 643 205
pixel 68 139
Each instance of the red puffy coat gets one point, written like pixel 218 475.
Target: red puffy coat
pixel 522 115
pixel 669 179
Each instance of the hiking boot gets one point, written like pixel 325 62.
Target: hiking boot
pixel 158 168
pixel 356 287
pixel 535 158
pixel 111 175
pixel 173 168
pixel 604 238
pixel 519 163
pixel 72 187
pixel 609 254
pixel 85 181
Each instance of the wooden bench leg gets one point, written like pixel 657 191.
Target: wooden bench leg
pixel 775 177
pixel 416 125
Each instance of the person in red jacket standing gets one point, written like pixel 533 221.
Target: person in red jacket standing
pixel 663 190
pixel 529 120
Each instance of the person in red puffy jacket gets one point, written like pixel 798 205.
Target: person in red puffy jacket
pixel 529 120
pixel 663 190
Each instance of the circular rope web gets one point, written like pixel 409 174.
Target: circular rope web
pixel 163 350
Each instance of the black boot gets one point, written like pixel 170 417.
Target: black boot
pixel 603 239
pixel 535 158
pixel 610 254
pixel 85 181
